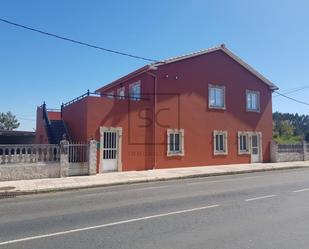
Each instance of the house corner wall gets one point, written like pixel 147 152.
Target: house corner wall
pixel 75 118
pixel 40 133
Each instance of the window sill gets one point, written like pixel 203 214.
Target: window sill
pixel 220 154
pixel 244 153
pixel 171 154
pixel 251 110
pixel 217 107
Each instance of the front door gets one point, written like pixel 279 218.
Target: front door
pixel 255 148
pixel 110 150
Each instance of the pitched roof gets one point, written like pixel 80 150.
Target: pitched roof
pixel 222 47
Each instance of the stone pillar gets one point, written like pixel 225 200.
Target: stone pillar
pixel 64 158
pixel 274 152
pixel 92 157
pixel 304 151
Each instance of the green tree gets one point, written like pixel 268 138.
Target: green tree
pixel 286 128
pixel 8 121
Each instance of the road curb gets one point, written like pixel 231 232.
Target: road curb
pixel 12 193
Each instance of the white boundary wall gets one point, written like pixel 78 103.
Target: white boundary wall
pixel 25 171
pixel 16 167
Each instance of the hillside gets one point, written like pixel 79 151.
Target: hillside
pixel 290 127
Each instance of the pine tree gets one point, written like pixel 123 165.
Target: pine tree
pixel 8 121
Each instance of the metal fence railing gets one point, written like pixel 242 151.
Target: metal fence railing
pixel 78 153
pixel 29 153
pixel 290 148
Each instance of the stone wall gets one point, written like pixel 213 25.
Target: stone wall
pixel 306 148
pixel 289 155
pixel 31 166
pixel 25 171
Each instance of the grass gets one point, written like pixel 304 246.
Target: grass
pixel 288 139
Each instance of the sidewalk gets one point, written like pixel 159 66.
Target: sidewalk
pixel 118 178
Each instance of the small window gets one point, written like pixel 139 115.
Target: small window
pixel 253 101
pixel 220 142
pixel 110 95
pixel 135 91
pixel 216 97
pixel 243 143
pixel 121 93
pixel 175 142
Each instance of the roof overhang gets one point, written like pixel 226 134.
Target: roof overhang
pixel 124 78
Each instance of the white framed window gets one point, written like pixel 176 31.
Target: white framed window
pixel 175 142
pixel 216 97
pixel 243 143
pixel 121 93
pixel 135 91
pixel 252 101
pixel 110 95
pixel 220 142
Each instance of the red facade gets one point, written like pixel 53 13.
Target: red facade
pixel 173 123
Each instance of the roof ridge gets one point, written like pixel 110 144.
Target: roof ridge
pixel 189 54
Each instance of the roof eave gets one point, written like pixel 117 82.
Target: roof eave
pixel 124 78
pixel 271 85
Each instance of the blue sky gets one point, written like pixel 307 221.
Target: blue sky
pixel 272 36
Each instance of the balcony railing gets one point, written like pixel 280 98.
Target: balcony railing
pixel 106 95
pixel 29 153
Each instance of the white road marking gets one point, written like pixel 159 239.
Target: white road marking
pixel 301 190
pixel 106 225
pixel 261 197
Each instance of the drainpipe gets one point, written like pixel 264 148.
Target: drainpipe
pixel 154 111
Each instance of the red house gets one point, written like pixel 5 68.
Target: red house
pixel 204 108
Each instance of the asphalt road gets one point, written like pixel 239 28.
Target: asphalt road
pixel 262 210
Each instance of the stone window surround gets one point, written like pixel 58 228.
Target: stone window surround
pixel 258 100
pixel 119 90
pixel 248 141
pixel 130 89
pixel 250 133
pixel 223 98
pixel 182 150
pixel 110 95
pixel 225 136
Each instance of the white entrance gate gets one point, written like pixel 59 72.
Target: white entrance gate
pixel 110 149
pixel 255 148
